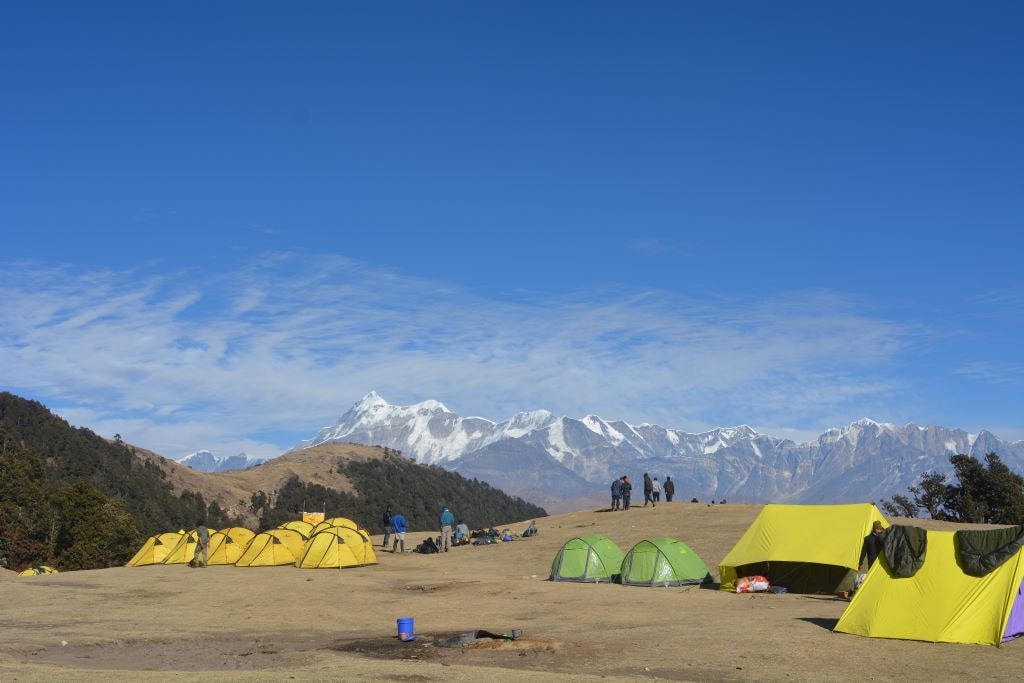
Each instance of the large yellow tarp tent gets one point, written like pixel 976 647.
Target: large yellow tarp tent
pixel 272 548
pixel 940 603
pixel 156 549
pixel 805 548
pixel 337 547
pixel 227 545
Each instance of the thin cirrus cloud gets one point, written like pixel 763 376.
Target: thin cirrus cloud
pixel 255 358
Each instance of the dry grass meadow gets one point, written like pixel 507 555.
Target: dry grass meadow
pixel 282 623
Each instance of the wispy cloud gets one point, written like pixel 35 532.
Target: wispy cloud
pixel 993 372
pixel 255 358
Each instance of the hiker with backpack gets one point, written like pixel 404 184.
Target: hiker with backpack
pixel 447 521
pixel 670 489
pixel 398 525
pixel 616 494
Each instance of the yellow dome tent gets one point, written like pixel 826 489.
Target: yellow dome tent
pixel 272 548
pixel 806 548
pixel 336 522
pixel 332 522
pixel 337 547
pixel 35 571
pixel 304 528
pixel 186 548
pixel 156 549
pixel 227 546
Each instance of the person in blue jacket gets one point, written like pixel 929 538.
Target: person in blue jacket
pixel 399 526
pixel 447 521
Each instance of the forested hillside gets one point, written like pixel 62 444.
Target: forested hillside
pixel 418 491
pixel 75 500
pixel 71 498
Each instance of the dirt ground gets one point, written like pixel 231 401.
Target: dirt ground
pixel 282 623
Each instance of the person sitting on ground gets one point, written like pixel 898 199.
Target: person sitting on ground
pixel 427 547
pixel 461 533
pixel 530 530
pixel 398 525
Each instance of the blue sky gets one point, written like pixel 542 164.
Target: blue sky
pixel 224 223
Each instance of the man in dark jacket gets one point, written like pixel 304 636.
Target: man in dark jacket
pixel 670 489
pixel 648 490
pixel 616 494
pixel 869 551
pixel 386 523
pixel 872 546
pixel 627 490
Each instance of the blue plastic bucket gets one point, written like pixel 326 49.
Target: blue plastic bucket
pixel 405 629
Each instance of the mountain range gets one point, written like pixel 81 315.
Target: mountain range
pixel 543 457
pixel 205 461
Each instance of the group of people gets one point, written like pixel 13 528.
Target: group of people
pixel 452 534
pixel 394 524
pixel 622 491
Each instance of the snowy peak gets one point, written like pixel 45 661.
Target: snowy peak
pixel 205 461
pixel 536 453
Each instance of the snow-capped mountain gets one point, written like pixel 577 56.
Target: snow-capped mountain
pixel 205 461
pixel 541 456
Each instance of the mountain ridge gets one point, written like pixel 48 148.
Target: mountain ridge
pixel 206 461
pixel 865 460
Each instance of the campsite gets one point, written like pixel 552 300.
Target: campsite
pixel 281 623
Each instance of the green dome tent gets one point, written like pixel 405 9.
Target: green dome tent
pixel 663 562
pixel 588 559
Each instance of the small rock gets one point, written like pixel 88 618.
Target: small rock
pixel 64 643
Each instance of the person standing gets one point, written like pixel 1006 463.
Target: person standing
pixel 670 489
pixel 399 527
pixel 202 544
pixel 648 490
pixel 656 490
pixel 616 494
pixel 869 552
pixel 386 522
pixel 447 521
pixel 627 491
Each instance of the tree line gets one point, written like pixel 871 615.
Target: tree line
pixel 417 491
pixel 977 492
pixel 72 499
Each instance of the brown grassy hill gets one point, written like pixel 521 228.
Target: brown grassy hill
pixel 232 490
